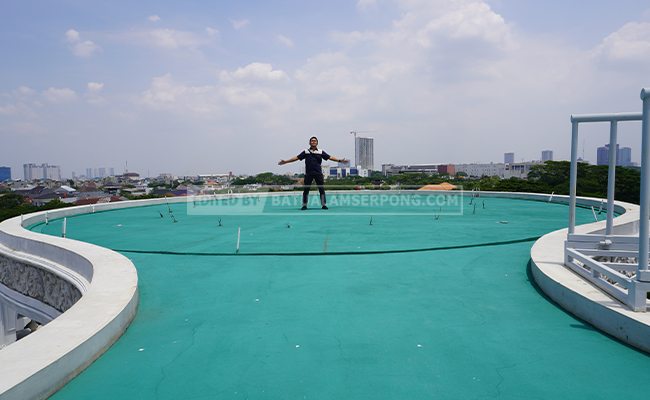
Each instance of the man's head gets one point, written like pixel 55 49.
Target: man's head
pixel 313 141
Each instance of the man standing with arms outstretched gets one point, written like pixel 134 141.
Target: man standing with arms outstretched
pixel 313 157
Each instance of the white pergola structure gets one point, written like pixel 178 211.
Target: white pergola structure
pixel 607 260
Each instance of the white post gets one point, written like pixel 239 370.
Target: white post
pixel 65 220
pixel 7 324
pixel 573 177
pixel 47 221
pixel 238 235
pixel 611 179
pixel 643 273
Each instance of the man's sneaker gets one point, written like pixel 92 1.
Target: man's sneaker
pixel 304 208
pixel 324 207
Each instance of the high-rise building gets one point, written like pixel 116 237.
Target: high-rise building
pixel 32 171
pixel 89 173
pixel 111 171
pixel 508 158
pixel 44 171
pixel 624 157
pixel 364 155
pixel 102 173
pixel 547 155
pixel 52 172
pixel 602 155
pixel 5 174
pixel 74 176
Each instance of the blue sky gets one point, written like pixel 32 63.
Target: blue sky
pixel 197 87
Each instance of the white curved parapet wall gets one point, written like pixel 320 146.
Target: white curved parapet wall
pixel 580 297
pixel 91 291
pixel 83 324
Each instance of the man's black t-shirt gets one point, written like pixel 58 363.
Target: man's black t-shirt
pixel 313 160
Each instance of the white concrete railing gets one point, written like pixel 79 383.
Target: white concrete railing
pixel 590 240
pixel 629 286
pixel 606 260
pixel 577 294
pixel 88 294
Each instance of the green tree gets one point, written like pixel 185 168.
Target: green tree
pixel 13 205
pixel 10 201
pixel 591 180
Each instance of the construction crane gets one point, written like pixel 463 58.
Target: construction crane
pixel 355 132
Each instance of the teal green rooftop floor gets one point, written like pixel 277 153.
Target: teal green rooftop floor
pixel 410 307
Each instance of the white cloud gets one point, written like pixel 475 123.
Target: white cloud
pixel 59 95
pixel 72 36
pixel 239 24
pixel 256 71
pixel 250 88
pixel 164 38
pixel 23 92
pixel 92 94
pixel 9 109
pixel 387 69
pixel 211 32
pixel 439 24
pixel 240 96
pixel 94 87
pixel 444 41
pixel 85 49
pixel 471 21
pixel 285 41
pixel 365 4
pixel 153 18
pixel 18 109
pixel 172 39
pixel 82 49
pixel 165 94
pixel 630 43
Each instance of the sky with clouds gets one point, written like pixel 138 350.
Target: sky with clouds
pixel 196 87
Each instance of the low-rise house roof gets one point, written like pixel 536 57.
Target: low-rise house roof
pixel 33 192
pixel 98 200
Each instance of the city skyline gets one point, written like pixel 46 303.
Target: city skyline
pixel 199 86
pixel 624 158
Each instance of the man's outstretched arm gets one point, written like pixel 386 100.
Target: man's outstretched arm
pixel 341 160
pixel 282 162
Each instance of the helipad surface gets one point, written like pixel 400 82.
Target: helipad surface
pixel 410 307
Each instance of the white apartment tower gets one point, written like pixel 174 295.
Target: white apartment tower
pixel 44 171
pixel 364 155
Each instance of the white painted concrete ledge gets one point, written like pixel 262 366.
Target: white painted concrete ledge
pixel 40 364
pixel 580 297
